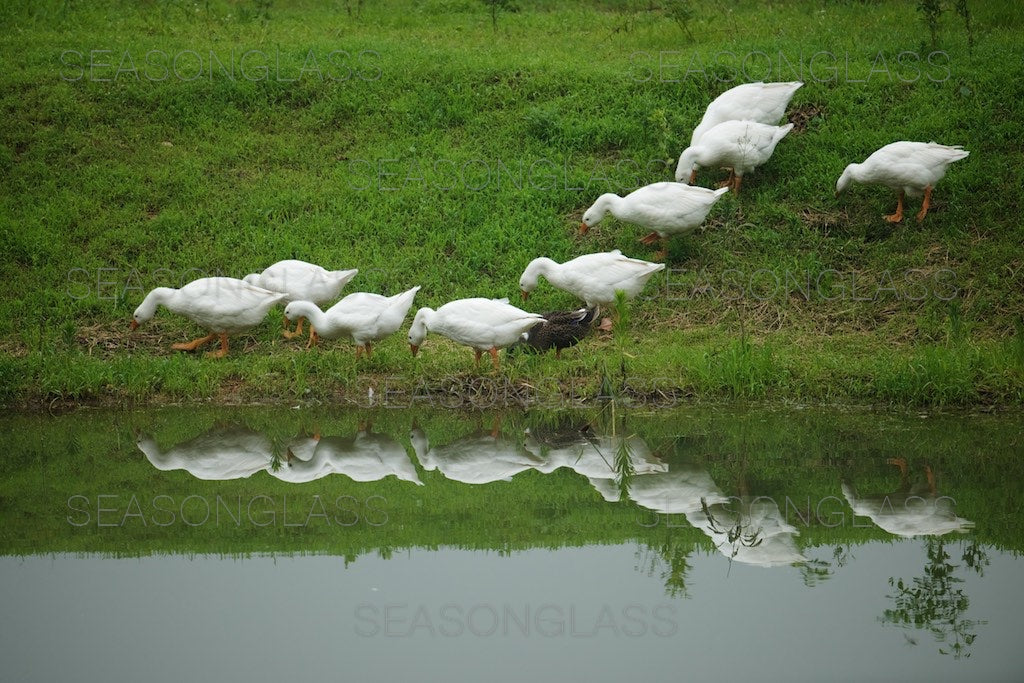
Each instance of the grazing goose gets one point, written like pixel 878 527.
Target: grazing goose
pixel 562 330
pixel 666 208
pixel 302 281
pixel 222 305
pixel 910 168
pixel 741 146
pixel 483 324
pixel 594 278
pixel 365 317
pixel 761 102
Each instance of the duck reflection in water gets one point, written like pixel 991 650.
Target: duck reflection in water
pixel 366 456
pixel 481 458
pixel 751 530
pixel 237 452
pixel 608 461
pixel 747 529
pixel 913 509
pixel 221 453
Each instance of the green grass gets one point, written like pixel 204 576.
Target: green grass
pixel 112 187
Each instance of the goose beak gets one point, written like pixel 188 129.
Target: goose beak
pixel 135 324
pixel 583 228
pixel 526 295
pixel 415 349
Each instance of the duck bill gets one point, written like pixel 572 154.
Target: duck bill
pixel 583 228
pixel 414 348
pixel 134 325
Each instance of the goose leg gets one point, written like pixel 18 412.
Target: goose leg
pixel 693 176
pixel 931 479
pixel 369 349
pixel 477 353
pixel 314 338
pixel 223 350
pixel 297 332
pixel 730 180
pixel 898 216
pixel 925 204
pixel 899 462
pixel 736 184
pixel 650 239
pixel 494 357
pixel 195 343
pixel 662 254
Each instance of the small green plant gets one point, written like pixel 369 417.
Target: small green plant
pixel 682 13
pixel 931 10
pixel 965 13
pixel 496 6
pixel 621 313
pixel 956 323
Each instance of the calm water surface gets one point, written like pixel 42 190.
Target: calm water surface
pixel 707 544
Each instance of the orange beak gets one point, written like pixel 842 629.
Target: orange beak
pixel 135 324
pixel 415 349
pixel 526 295
pixel 583 228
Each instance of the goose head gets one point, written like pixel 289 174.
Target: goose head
pixel 147 309
pixel 418 331
pixel 531 276
pixel 845 179
pixel 597 211
pixel 686 169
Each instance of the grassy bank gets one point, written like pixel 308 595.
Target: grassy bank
pixel 147 146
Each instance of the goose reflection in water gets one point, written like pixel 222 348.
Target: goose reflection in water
pixel 237 452
pixel 366 456
pixel 221 453
pixel 607 460
pixel 480 458
pixel 912 509
pixel 751 530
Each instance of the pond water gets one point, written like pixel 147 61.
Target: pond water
pixel 709 543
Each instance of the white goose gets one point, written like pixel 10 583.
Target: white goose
pixel 594 278
pixel 761 102
pixel 666 208
pixel 222 305
pixel 910 168
pixel 302 281
pixel 365 317
pixel 739 145
pixel 483 324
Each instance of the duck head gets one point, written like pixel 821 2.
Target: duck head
pixel 845 179
pixel 418 330
pixel 686 169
